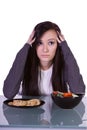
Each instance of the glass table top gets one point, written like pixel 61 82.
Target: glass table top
pixel 49 115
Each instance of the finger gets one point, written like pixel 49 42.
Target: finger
pixel 58 40
pixel 32 35
pixel 60 37
pixel 33 40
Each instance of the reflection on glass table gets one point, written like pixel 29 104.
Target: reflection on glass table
pixel 47 115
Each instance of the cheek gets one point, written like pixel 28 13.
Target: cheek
pixel 54 50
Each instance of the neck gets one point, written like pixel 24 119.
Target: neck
pixel 45 66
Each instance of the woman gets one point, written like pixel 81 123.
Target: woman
pixel 45 64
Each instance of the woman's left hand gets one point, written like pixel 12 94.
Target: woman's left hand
pixel 60 38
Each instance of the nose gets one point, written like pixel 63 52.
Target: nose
pixel 45 48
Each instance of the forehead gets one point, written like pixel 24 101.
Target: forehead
pixel 49 34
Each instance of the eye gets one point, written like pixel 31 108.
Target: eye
pixel 51 42
pixel 39 43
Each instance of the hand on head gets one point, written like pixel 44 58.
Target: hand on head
pixel 31 38
pixel 60 38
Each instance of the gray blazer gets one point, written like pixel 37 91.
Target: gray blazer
pixel 71 73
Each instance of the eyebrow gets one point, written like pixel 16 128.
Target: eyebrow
pixel 51 39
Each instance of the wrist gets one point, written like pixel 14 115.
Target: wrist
pixel 29 44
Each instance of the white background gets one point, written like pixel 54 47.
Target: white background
pixel 18 17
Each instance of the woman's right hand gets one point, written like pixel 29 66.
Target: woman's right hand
pixel 31 38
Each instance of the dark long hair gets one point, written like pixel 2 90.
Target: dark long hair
pixel 30 80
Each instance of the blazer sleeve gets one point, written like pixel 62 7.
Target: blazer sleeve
pixel 72 74
pixel 13 80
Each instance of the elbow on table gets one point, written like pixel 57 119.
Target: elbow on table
pixel 7 93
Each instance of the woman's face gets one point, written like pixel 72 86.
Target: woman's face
pixel 46 47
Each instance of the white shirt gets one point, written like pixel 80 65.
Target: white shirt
pixel 44 81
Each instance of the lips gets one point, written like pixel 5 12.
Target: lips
pixel 45 55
